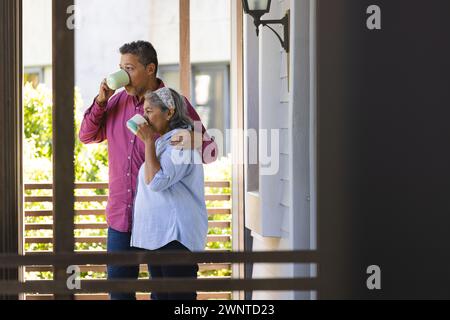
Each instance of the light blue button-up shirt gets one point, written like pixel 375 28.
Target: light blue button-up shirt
pixel 172 207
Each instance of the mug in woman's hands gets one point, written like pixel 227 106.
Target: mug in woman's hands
pixel 134 123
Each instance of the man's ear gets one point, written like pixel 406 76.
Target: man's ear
pixel 151 69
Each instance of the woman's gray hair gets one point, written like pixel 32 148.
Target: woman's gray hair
pixel 180 119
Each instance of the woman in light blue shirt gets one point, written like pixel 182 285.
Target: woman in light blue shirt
pixel 169 210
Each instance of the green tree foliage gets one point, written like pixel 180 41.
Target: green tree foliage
pixel 91 162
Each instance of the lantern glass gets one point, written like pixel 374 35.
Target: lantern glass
pixel 259 5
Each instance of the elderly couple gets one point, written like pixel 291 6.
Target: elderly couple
pixel 154 202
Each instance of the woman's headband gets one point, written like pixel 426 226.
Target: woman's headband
pixel 166 97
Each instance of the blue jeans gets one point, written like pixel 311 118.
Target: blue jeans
pixel 120 242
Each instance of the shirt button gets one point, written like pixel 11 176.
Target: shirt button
pixel 129 206
pixel 128 174
pixel 132 141
pixel 129 158
pixel 129 190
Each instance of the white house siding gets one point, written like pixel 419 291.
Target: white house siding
pixel 275 191
pixel 303 129
pixel 287 193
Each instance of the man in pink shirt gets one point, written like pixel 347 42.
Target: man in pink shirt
pixel 106 120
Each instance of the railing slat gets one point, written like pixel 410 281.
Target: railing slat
pixel 38 213
pixel 217 184
pixel 103 225
pixel 219 224
pixel 214 211
pixel 168 285
pixel 89 257
pixel 102 239
pixel 104 185
pixel 45 252
pixel 139 296
pixel 40 199
pixel 143 267
pixel 99 212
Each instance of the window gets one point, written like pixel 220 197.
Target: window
pixel 170 74
pixel 34 75
pixel 210 93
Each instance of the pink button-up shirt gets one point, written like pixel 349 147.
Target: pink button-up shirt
pixel 126 152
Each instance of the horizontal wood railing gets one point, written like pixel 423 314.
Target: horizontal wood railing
pixel 101 212
pixel 102 239
pixel 94 202
pixel 208 197
pixel 87 288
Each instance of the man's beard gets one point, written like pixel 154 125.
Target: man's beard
pixel 140 92
pixel 132 92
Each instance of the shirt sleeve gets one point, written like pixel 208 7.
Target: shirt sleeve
pixel 93 127
pixel 209 146
pixel 175 165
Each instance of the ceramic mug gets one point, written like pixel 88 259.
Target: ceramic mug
pixel 118 80
pixel 134 123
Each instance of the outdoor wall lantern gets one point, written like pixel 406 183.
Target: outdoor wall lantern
pixel 258 8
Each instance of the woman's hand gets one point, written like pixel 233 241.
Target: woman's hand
pixel 146 133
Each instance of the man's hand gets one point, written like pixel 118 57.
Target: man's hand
pixel 185 139
pixel 104 94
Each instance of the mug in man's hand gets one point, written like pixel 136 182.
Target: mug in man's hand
pixel 118 80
